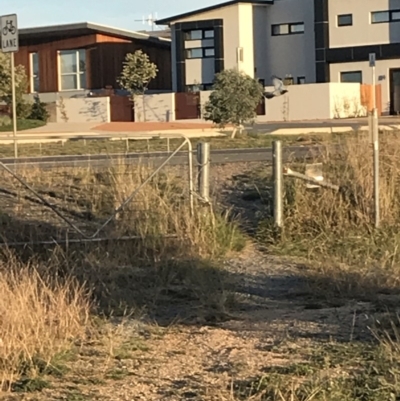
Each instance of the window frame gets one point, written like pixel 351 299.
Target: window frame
pixel 78 73
pixel 203 53
pixel 203 34
pixel 344 16
pixel 390 16
pixel 32 74
pixel 289 32
pixel 351 72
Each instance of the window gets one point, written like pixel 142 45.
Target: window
pixel 287 29
pixel 296 28
pixel 199 34
pixel 72 69
pixel 395 16
pixel 301 80
pixel 282 29
pixel 194 35
pixel 200 52
pixel 199 87
pixel 378 17
pixel 34 72
pixel 345 20
pixel 209 52
pixel 194 53
pixel 351 76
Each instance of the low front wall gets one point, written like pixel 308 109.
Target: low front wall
pixel 315 102
pixel 83 110
pixel 302 102
pixel 155 108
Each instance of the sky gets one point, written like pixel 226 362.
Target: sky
pixel 117 13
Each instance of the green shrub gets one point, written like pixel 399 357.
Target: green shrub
pixel 39 111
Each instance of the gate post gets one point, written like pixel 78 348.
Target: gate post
pixel 203 159
pixel 277 173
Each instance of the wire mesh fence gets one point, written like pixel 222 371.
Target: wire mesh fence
pixel 77 204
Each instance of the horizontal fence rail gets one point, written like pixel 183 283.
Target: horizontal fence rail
pixel 220 156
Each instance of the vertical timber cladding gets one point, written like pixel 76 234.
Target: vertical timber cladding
pixel 321 29
pixel 180 29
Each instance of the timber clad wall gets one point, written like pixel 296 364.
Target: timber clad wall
pixel 104 57
pixel 105 63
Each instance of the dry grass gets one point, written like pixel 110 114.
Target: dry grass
pixel 41 316
pixel 340 225
pixel 45 312
pixel 159 215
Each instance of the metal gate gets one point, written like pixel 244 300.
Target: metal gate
pixel 187 105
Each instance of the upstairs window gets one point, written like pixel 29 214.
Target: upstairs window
pixel 379 17
pixel 345 20
pixel 199 34
pixel 288 29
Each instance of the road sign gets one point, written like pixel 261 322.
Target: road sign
pixel 372 59
pixel 9 33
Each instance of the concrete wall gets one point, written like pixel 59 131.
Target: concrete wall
pixel 345 100
pixel 286 54
pixel 83 110
pixel 159 108
pixel 382 76
pixel 204 96
pixel 362 32
pixel 315 102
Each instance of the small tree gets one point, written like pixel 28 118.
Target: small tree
pixel 234 99
pixel 21 83
pixel 136 75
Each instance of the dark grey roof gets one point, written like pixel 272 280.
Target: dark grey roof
pixel 164 33
pixel 167 21
pixel 85 28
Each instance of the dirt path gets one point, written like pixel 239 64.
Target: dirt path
pixel 272 320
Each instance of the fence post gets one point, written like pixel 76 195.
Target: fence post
pixel 277 172
pixel 375 141
pixel 203 160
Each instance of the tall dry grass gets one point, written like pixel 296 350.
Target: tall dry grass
pixel 159 216
pixel 40 317
pixel 43 311
pixel 338 227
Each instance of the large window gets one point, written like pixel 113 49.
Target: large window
pixel 287 29
pixel 351 76
pixel 34 72
pixel 378 17
pixel 72 69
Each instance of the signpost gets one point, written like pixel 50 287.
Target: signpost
pixel 10 44
pixel 375 141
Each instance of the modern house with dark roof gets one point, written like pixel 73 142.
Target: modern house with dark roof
pixel 83 57
pixel 306 41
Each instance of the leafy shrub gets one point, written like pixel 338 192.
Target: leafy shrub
pixel 39 111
